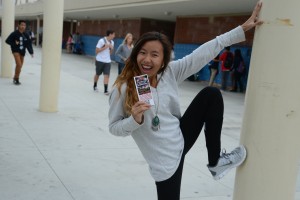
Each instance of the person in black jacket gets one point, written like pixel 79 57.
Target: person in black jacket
pixel 19 41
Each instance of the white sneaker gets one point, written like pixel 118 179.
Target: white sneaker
pixel 95 89
pixel 227 161
pixel 106 93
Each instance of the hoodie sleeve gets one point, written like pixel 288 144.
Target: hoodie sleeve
pixel 195 61
pixel 119 123
pixel 10 39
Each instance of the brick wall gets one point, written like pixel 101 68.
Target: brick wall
pixel 99 27
pixel 197 30
pixel 136 26
pixel 166 27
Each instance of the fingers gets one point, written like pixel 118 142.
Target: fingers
pixel 257 8
pixel 254 18
pixel 138 110
pixel 259 22
pixel 140 107
pixel 256 11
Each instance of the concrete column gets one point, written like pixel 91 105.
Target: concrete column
pixel 51 57
pixel 71 26
pixel 38 24
pixel 271 123
pixel 8 26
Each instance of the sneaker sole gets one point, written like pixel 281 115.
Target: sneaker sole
pixel 233 166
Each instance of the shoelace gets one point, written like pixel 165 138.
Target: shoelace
pixel 227 155
pixel 224 154
pixel 234 154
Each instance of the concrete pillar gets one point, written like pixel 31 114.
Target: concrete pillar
pixel 51 57
pixel 271 123
pixel 71 26
pixel 38 24
pixel 8 26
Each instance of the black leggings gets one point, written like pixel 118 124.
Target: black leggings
pixel 206 108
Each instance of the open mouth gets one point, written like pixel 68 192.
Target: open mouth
pixel 146 68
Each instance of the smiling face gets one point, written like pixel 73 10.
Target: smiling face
pixel 150 58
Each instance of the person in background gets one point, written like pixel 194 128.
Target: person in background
pixel 31 35
pixel 226 69
pixel 77 46
pixel 76 37
pixel 124 51
pixel 238 71
pixel 214 70
pixel 104 48
pixel 70 43
pixel 163 135
pixel 19 41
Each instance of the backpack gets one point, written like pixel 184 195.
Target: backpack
pixel 228 60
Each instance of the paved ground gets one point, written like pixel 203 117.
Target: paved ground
pixel 70 155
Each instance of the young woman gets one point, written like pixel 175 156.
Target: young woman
pixel 161 133
pixel 238 71
pixel 124 51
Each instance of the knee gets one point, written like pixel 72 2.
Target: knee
pixel 213 90
pixel 19 65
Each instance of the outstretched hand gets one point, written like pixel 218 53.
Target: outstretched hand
pixel 253 20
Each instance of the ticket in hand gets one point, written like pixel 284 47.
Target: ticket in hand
pixel 143 89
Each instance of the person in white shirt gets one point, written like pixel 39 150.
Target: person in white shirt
pixel 104 48
pixel 163 135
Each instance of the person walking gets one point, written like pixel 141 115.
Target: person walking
pixel 214 70
pixel 163 136
pixel 104 48
pixel 238 71
pixel 124 51
pixel 19 41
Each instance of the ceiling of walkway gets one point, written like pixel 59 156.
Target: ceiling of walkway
pixel 126 9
